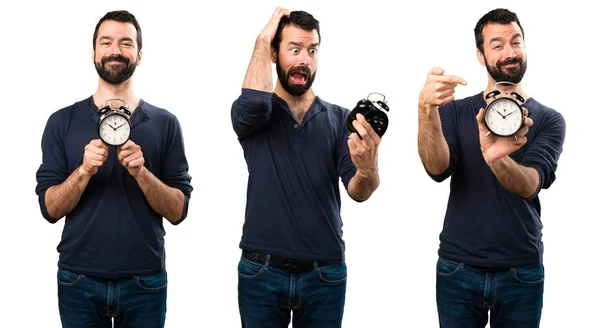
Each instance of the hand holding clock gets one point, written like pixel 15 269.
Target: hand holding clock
pixel 94 155
pixel 494 147
pixel 131 157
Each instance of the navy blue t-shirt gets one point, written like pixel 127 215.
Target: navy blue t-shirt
pixel 486 224
pixel 113 231
pixel 293 197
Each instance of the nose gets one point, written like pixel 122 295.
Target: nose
pixel 509 52
pixel 304 58
pixel 115 49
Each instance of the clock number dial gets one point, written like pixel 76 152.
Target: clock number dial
pixel 114 129
pixel 503 117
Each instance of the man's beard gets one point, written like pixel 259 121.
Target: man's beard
pixel 295 89
pixel 512 75
pixel 115 74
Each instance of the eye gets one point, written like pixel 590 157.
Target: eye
pixel 105 43
pixel 313 51
pixel 295 50
pixel 497 47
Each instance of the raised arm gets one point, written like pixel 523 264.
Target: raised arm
pixel 259 75
pixel 433 146
pixel 252 109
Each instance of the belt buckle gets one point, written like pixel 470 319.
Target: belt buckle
pixel 293 266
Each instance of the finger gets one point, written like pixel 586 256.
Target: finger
pixel 127 145
pixel 97 150
pixel 279 12
pixel 522 132
pixel 436 71
pixel 97 143
pixel 360 129
pixel 126 152
pixel 129 153
pixel 481 125
pixel 446 100
pixel 357 142
pixel 94 163
pixel 451 79
pixel 370 133
pixel 132 157
pixel 519 140
pixel 525 111
pixel 135 163
pixel 93 156
pixel 443 93
pixel 352 144
pixel 372 136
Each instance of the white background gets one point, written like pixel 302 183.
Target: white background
pixel 194 63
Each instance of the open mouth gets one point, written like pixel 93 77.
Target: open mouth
pixel 298 78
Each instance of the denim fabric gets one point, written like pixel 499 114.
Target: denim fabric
pixel 466 294
pixel 269 296
pixel 133 302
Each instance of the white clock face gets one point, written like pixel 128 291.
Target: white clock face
pixel 115 130
pixel 504 117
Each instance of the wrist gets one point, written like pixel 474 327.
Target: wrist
pixel 143 172
pixel 82 173
pixel 367 173
pixel 263 40
pixel 497 163
pixel 427 110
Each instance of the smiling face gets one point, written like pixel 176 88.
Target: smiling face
pixel 116 54
pixel 296 60
pixel 503 52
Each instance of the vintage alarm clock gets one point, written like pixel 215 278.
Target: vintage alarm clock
pixel 374 114
pixel 504 115
pixel 114 126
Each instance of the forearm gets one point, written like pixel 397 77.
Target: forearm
pixel 61 199
pixel 164 200
pixel 516 178
pixel 259 73
pixel 363 184
pixel 433 149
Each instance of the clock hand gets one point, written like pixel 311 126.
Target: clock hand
pixel 119 126
pixel 511 112
pixel 500 114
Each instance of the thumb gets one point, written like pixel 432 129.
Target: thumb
pixel 480 123
pixel 436 71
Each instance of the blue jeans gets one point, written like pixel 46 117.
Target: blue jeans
pixel 266 295
pixel 465 295
pixel 134 302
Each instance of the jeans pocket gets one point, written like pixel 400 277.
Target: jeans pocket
pixel 447 268
pixel 67 278
pixel 333 273
pixel 529 276
pixel 152 282
pixel 249 269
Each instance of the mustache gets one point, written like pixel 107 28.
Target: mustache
pixel 300 69
pixel 515 60
pixel 118 58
